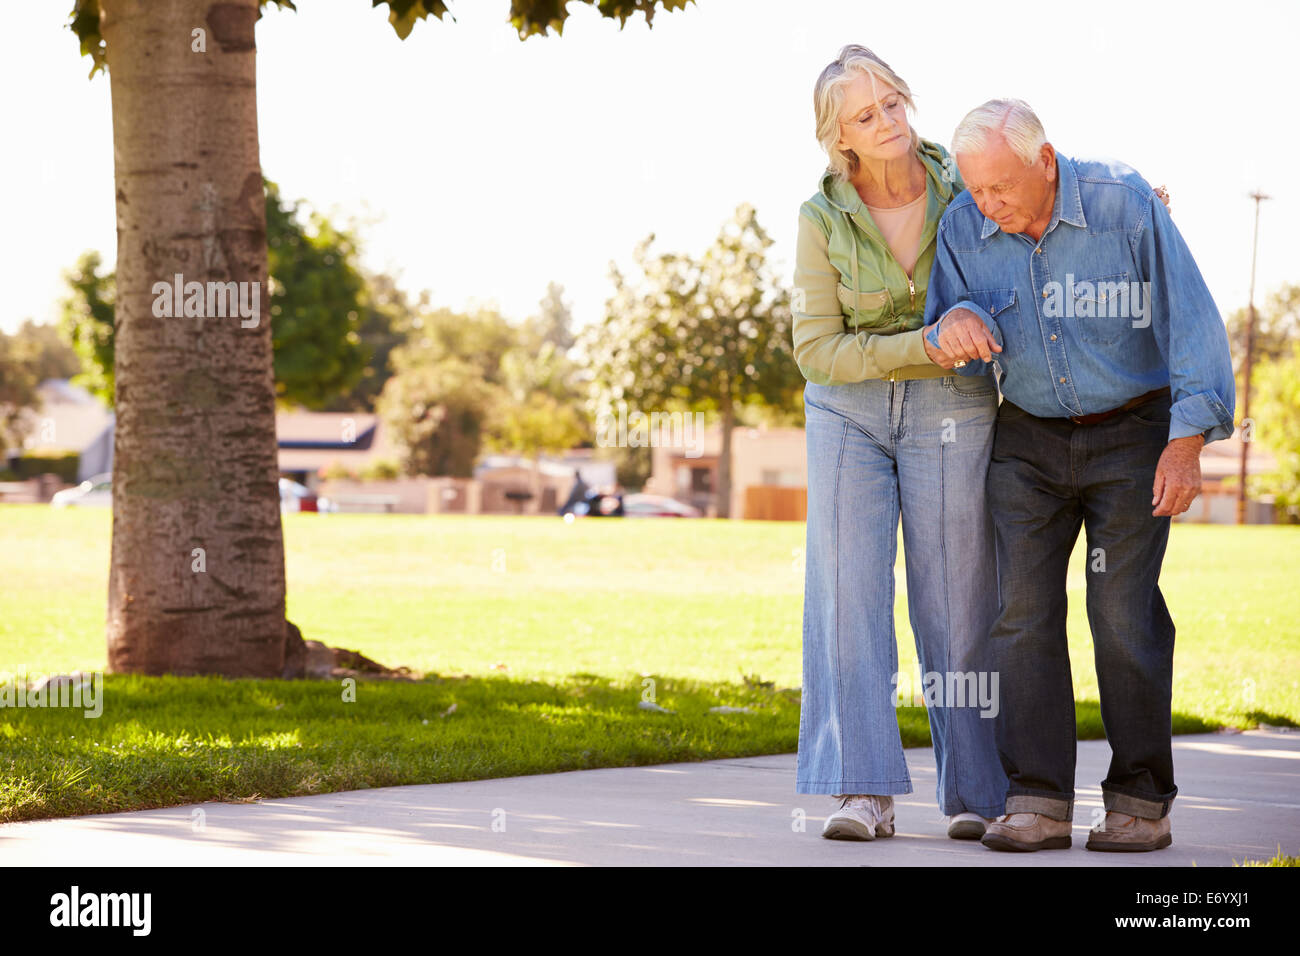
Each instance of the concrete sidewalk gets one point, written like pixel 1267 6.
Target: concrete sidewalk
pixel 1239 797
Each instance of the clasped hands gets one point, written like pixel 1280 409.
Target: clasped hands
pixel 963 337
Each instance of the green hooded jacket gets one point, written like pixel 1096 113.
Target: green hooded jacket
pixel 856 315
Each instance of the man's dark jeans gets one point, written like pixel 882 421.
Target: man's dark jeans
pixel 1046 477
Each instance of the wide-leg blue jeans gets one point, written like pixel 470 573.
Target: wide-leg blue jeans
pixel 877 451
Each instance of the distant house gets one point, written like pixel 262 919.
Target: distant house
pixel 769 472
pixel 310 442
pixel 70 419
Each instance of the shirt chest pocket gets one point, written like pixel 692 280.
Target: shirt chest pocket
pixel 1000 304
pixel 1101 308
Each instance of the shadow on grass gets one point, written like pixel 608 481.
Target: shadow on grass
pixel 168 741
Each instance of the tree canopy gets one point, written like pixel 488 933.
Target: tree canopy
pixel 529 17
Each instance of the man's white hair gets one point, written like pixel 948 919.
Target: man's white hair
pixel 1013 119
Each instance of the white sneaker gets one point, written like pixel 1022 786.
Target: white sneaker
pixel 861 817
pixel 966 826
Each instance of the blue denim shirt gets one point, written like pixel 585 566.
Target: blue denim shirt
pixel 1108 305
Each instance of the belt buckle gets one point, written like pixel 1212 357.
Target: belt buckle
pixel 1076 419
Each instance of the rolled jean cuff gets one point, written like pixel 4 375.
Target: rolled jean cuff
pixel 1058 808
pixel 1144 807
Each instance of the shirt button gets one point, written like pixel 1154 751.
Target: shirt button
pixel 1062 380
pixel 1053 338
pixel 1039 250
pixel 1044 293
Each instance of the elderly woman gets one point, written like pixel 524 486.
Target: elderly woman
pixel 891 432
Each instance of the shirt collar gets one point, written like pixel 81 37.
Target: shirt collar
pixel 1068 207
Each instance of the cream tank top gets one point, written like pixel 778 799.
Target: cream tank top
pixel 901 227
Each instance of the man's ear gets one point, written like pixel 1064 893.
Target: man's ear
pixel 1048 155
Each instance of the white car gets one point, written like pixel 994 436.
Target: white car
pixel 295 496
pixel 95 492
pixel 657 506
pixel 98 492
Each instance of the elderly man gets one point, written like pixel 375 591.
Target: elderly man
pixel 1115 370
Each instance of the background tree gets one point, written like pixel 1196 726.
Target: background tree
pixel 386 317
pixel 194 465
pixel 50 354
pixel 446 386
pixel 436 410
pixel 87 323
pixel 1277 326
pixel 538 409
pixel 19 376
pixel 316 303
pixel 315 297
pixel 712 335
pixel 554 321
pixel 1275 409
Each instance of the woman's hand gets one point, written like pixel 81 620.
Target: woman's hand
pixel 1163 195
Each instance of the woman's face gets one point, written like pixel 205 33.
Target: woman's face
pixel 873 120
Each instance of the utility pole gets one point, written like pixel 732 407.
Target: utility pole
pixel 1246 424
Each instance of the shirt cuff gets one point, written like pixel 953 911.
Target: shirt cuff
pixel 1200 414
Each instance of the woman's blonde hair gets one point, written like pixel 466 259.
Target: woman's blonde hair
pixel 828 100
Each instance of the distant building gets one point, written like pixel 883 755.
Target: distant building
pixel 769 472
pixel 72 420
pixel 311 442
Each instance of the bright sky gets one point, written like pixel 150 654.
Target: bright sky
pixel 485 167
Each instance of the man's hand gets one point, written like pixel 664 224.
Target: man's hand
pixel 965 338
pixel 1178 476
pixel 938 356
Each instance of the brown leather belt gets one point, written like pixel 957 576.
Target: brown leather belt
pixel 1130 404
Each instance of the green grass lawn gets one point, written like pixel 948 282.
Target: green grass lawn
pixel 545 636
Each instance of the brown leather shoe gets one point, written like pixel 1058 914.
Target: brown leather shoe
pixel 1025 832
pixel 1122 833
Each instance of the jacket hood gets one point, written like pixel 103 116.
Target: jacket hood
pixel 844 199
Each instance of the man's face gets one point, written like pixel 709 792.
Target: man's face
pixel 1017 197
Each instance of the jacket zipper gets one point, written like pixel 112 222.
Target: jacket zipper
pixel 911 292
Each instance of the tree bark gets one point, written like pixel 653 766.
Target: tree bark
pixel 194 463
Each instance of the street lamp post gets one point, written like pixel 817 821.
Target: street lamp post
pixel 1246 424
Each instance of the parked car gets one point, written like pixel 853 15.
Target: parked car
pixel 657 506
pixel 98 492
pixel 94 492
pixel 298 497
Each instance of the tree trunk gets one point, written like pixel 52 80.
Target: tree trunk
pixel 196 584
pixel 537 481
pixel 724 458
